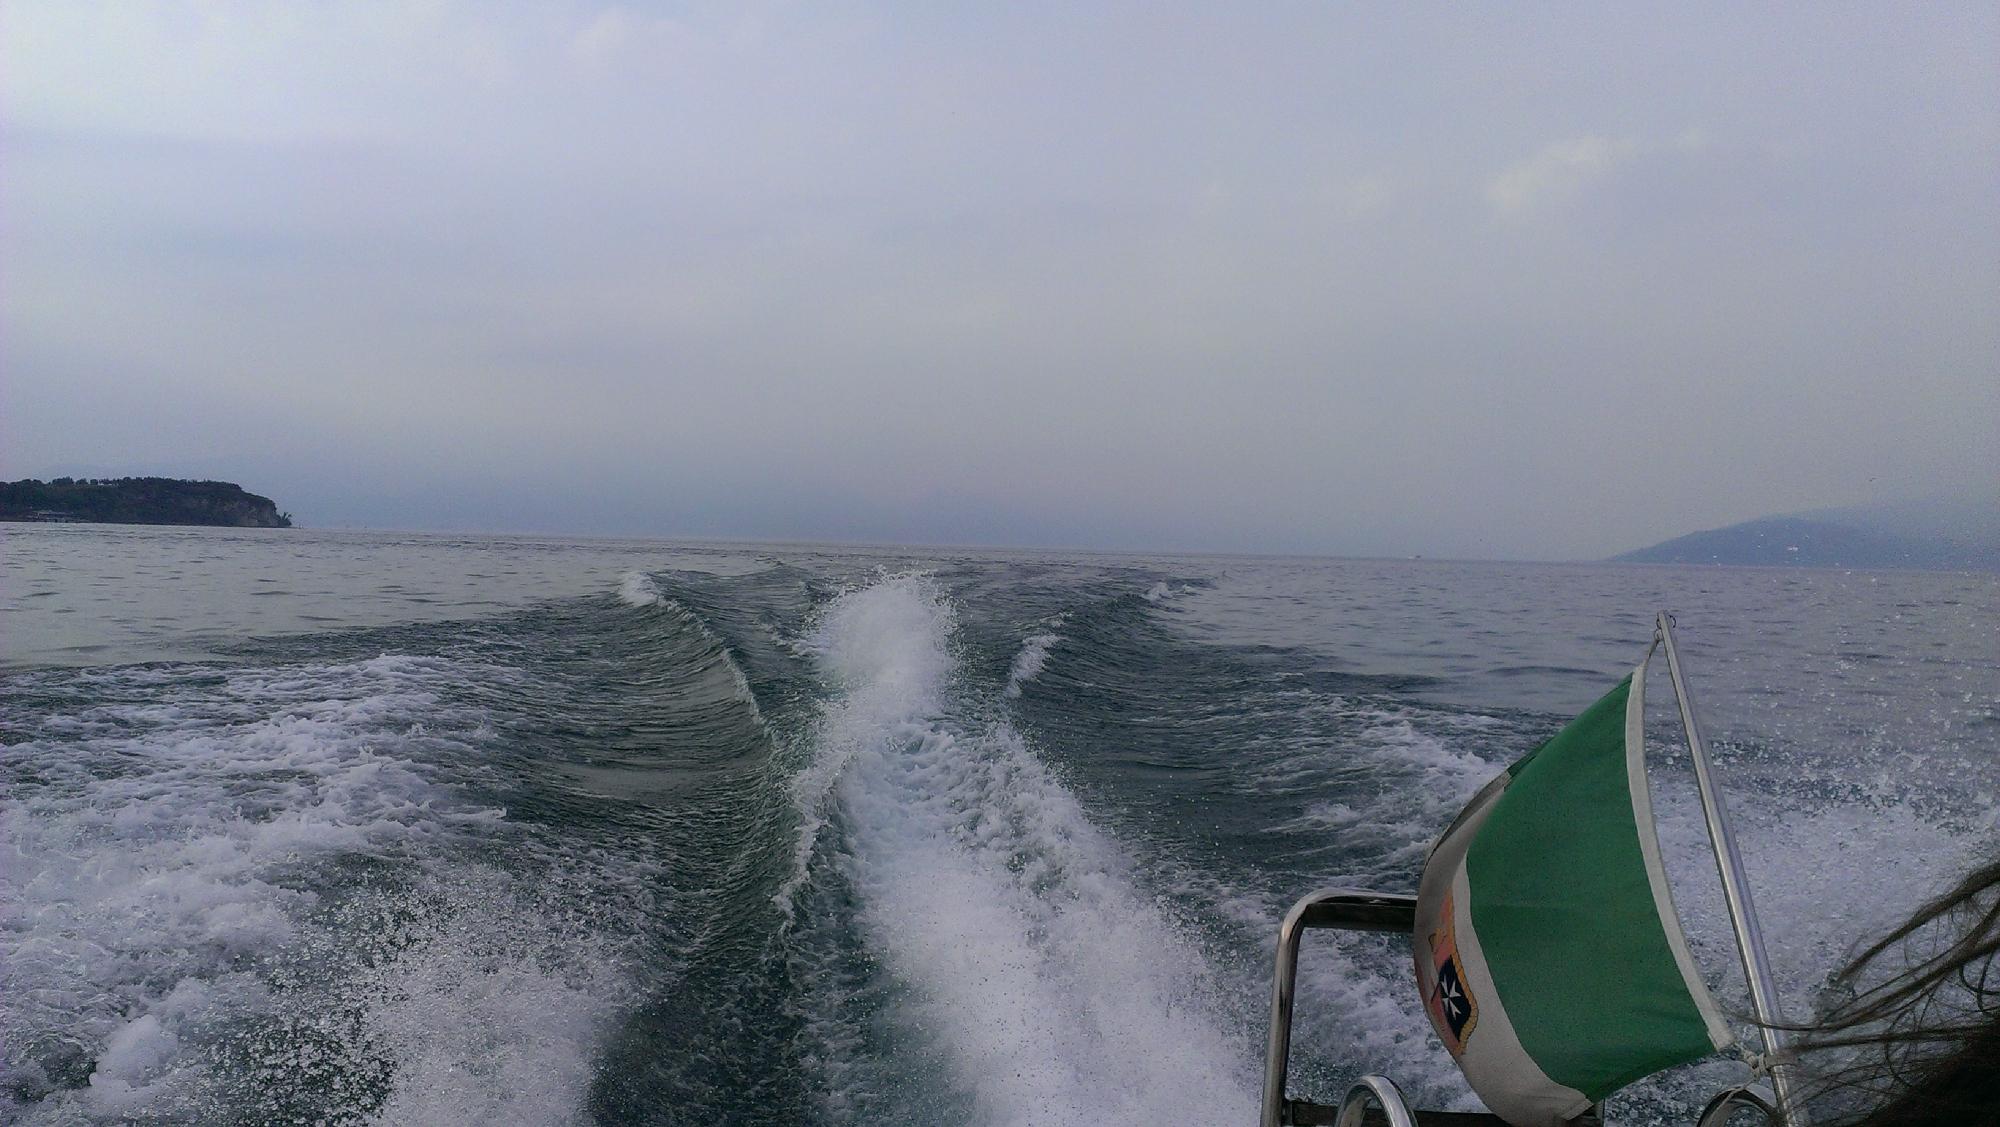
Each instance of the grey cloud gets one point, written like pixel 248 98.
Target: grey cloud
pixel 1419 280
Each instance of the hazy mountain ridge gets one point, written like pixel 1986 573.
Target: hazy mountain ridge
pixel 1932 535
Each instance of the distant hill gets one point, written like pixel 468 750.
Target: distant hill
pixel 1929 535
pixel 139 500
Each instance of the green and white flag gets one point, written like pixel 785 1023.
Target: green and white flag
pixel 1548 952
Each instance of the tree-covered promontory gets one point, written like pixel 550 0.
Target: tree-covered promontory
pixel 139 500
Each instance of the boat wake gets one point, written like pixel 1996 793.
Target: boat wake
pixel 1055 990
pixel 991 844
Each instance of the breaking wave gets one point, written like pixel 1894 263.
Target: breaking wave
pixel 1028 663
pixel 637 589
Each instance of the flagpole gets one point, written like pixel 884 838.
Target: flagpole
pixel 1736 892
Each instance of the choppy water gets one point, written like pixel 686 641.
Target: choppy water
pixel 361 827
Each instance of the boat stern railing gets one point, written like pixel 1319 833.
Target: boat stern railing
pixel 1375 1100
pixel 1340 909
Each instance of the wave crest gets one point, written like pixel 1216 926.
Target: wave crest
pixel 1028 663
pixel 637 589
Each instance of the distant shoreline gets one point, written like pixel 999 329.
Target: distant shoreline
pixel 1837 540
pixel 138 500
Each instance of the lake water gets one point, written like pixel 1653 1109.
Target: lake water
pixel 424 829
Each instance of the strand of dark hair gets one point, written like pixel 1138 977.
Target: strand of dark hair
pixel 1922 1045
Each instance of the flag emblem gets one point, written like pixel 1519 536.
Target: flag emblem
pixel 1453 1009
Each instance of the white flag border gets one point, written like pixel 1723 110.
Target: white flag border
pixel 1719 1033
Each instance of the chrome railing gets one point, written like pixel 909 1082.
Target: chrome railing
pixel 1378 1090
pixel 1748 1097
pixel 1343 909
pixel 1346 909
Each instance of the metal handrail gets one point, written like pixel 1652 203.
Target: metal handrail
pixel 1754 1097
pixel 1382 1090
pixel 1346 909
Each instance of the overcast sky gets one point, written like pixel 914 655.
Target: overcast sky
pixel 1379 279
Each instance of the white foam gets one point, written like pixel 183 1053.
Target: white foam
pixel 161 865
pixel 637 589
pixel 1028 663
pixel 883 647
pixel 492 1010
pixel 133 1052
pixel 1057 990
pixel 1824 879
pixel 1403 776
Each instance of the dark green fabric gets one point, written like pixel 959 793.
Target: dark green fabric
pixel 1566 919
